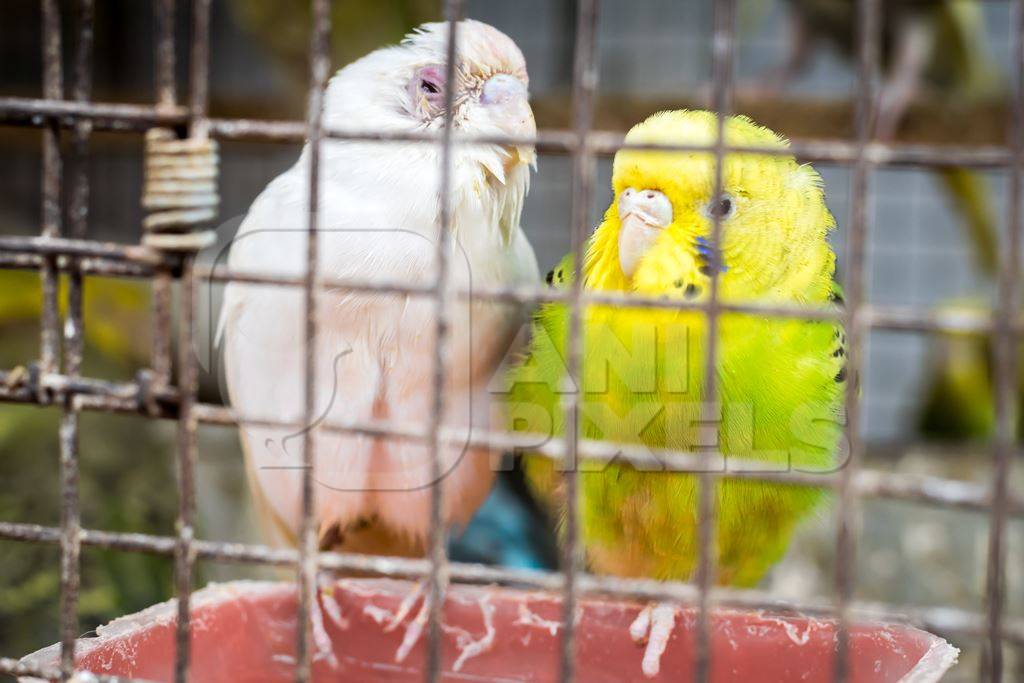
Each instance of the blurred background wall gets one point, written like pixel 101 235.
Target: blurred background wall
pixel 653 54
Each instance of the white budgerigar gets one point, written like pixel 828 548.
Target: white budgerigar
pixel 379 222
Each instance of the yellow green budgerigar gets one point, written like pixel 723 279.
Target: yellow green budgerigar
pixel 780 382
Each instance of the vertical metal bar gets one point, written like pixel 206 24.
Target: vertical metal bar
pixel 199 71
pixel 70 541
pixel 1006 369
pixel 166 96
pixel 319 68
pixel 185 555
pixel 166 91
pixel 723 54
pixel 70 538
pixel 79 213
pixel 438 575
pixel 868 35
pixel 53 89
pixel 584 85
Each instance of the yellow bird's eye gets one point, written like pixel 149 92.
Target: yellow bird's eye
pixel 723 207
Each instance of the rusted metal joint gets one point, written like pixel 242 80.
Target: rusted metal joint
pixel 145 397
pixel 180 192
pixel 16 378
pixel 35 386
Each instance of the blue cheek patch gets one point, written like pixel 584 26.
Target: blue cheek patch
pixel 710 260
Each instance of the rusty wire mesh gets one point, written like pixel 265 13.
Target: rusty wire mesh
pixel 55 379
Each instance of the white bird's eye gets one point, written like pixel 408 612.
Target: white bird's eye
pixel 427 85
pixel 722 207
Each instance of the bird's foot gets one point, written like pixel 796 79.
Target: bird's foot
pixel 323 602
pixel 328 602
pixel 404 607
pixel 414 630
pixel 654 625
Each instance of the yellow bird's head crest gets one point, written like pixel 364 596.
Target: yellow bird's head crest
pixel 655 236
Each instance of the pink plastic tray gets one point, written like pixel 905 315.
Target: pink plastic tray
pixel 245 631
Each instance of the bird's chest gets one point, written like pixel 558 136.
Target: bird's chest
pixel 398 333
pixel 645 381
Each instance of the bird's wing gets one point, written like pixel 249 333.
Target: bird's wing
pixel 276 531
pixel 259 339
pixel 838 352
pixel 531 380
pixel 561 275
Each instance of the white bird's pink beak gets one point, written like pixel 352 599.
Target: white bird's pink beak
pixel 506 97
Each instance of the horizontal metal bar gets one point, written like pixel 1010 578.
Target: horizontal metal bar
pixel 871 483
pixel 607 143
pixel 878 317
pixel 219 415
pixel 224 275
pixel 38 112
pixel 129 397
pixel 923 489
pixel 63 246
pixel 563 141
pixel 259 130
pixel 127 117
pixel 27 385
pixel 946 620
pixel 523 295
pixel 139 261
pixel 950 320
pixel 88 266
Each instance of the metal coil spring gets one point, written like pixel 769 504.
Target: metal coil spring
pixel 180 191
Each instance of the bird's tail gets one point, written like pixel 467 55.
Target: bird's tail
pixel 973 201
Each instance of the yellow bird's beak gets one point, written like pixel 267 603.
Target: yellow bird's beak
pixel 643 214
pixel 674 269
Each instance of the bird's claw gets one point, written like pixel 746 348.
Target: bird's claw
pixel 653 626
pixel 414 630
pixel 404 607
pixel 324 648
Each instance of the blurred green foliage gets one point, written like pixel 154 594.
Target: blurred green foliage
pixel 126 463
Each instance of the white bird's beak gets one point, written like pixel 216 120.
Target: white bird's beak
pixel 643 214
pixel 505 96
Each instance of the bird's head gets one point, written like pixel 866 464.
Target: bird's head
pixel 491 85
pixel 655 237
pixel 402 88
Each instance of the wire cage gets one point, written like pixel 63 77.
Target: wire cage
pixel 55 380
